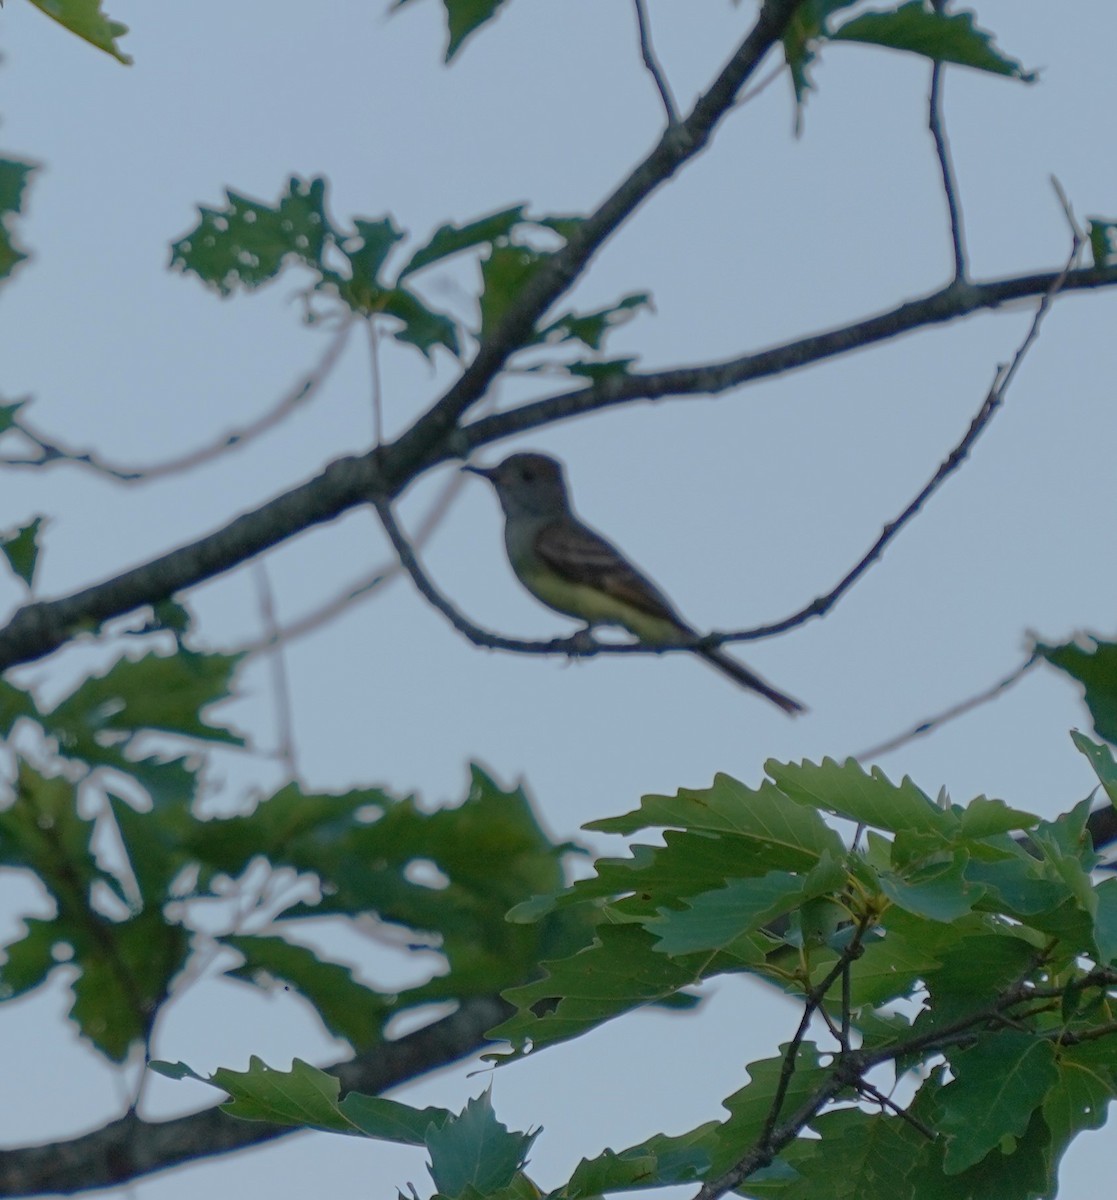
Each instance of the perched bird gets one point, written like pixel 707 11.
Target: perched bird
pixel 575 571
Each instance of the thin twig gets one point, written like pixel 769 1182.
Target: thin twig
pixel 372 582
pixel 377 388
pixel 39 628
pixel 437 428
pixel 583 646
pixel 904 1115
pixel 52 451
pixel 761 85
pixel 813 1003
pixel 280 684
pixel 930 724
pixel 426 588
pixel 949 303
pixel 652 63
pixel 1076 231
pixel 937 126
pixel 846 1073
pixel 1002 380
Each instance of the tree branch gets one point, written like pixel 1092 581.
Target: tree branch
pixel 958 299
pixel 679 144
pixel 50 451
pixel 937 125
pixel 930 724
pixel 652 63
pixel 130 1147
pixel 583 645
pixel 38 629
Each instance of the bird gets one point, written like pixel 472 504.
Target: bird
pixel 572 569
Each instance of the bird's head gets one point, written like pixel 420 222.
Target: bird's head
pixel 527 484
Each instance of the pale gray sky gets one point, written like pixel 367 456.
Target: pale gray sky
pixel 743 508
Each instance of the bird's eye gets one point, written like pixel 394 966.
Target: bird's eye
pixel 527 474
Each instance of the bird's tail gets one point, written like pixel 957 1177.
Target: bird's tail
pixel 739 673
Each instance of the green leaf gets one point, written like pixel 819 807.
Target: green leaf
pixel 716 920
pixel 597 371
pixel 462 18
pixel 998 1084
pixel 304 1096
pixel 1079 1100
pixel 1105 922
pixel 985 818
pixel 751 1106
pixel 504 274
pixel 171 615
pixel 939 891
pixel 8 412
pixel 1103 241
pixel 1016 1169
pixel 845 790
pixel 391 1121
pixel 888 969
pixel 687 864
pixel 126 972
pixel 970 972
pixel 247 243
pixel 952 38
pixel 1019 886
pixel 1101 759
pixel 368 250
pixel 808 24
pixel 460 910
pixel 347 1008
pixel 475 1151
pixel 42 830
pixel 659 1162
pixel 14 704
pixel 13 183
pixel 85 18
pixel 858 1156
pixel 29 959
pixel 448 240
pixel 591 328
pixel 21 549
pixel 151 841
pixel 620 971
pixel 422 327
pixel 162 692
pixel 793 835
pixel 1094 664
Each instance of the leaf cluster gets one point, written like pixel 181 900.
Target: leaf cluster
pixel 115 763
pixel 960 960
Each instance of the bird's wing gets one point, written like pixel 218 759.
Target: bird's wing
pixel 578 554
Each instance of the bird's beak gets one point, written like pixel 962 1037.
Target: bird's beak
pixel 484 472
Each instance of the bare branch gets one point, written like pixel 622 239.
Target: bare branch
pixel 679 144
pixel 937 126
pixel 582 646
pixel 477 635
pixel 371 582
pixel 887 1102
pixel 37 629
pixel 377 384
pixel 52 451
pixel 813 1003
pixel 130 1147
pixel 994 399
pixel 652 63
pixel 930 724
pixel 281 689
pixel 958 299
